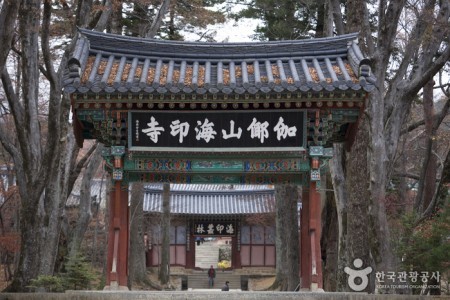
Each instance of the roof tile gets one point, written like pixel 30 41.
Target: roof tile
pixel 111 63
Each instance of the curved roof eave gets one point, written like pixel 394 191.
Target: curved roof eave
pixel 108 63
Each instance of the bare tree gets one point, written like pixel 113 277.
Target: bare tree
pixel 44 150
pixel 8 15
pixel 137 261
pixel 84 211
pixel 425 53
pixel 287 260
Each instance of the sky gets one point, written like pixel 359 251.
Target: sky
pixel 231 31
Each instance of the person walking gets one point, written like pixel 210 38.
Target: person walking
pixel 211 276
pixel 226 288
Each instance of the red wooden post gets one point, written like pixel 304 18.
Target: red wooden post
pixel 310 222
pixel 315 226
pixel 235 254
pixel 118 238
pixel 305 242
pixel 190 254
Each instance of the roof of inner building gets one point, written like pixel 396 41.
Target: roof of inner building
pixel 106 63
pixel 212 199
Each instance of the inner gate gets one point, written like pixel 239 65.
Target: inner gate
pixel 238 113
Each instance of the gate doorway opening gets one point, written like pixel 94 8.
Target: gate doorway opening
pixel 213 251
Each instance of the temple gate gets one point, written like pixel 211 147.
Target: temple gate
pixel 235 113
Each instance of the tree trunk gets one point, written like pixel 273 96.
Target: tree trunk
pixel 164 269
pixel 427 181
pixel 116 20
pixel 340 196
pixel 42 161
pixel 137 266
pixel 335 10
pixel 156 24
pixel 105 16
pixel 287 240
pixel 8 16
pixel 359 235
pixel 84 211
pixel 83 12
pixel 329 240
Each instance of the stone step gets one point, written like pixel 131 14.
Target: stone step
pixel 201 281
pixel 206 254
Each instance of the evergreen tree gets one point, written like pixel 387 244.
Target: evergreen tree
pixel 78 275
pixel 425 248
pixel 284 20
pixel 192 15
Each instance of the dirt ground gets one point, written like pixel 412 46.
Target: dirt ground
pixel 3 283
pixel 260 284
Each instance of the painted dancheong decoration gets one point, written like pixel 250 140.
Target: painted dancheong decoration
pixel 233 104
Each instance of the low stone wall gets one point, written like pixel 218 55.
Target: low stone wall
pixel 206 295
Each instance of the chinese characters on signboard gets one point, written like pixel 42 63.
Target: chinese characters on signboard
pixel 215 228
pixel 245 129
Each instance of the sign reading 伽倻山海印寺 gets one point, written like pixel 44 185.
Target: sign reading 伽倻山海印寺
pixel 277 130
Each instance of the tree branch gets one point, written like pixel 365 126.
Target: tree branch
pixel 104 17
pixel 441 191
pixel 45 37
pixel 427 68
pixel 83 161
pixel 337 16
pixel 440 118
pixel 14 104
pixel 416 84
pixel 83 13
pixel 410 51
pixel 156 24
pixel 406 175
pixel 8 14
pixel 387 29
pixel 413 126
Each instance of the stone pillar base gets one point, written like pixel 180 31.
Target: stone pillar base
pixel 114 286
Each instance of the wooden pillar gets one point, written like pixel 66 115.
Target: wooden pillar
pixel 305 242
pixel 235 254
pixel 118 239
pixel 315 231
pixel 190 253
pixel 311 257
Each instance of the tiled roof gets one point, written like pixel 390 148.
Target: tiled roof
pixel 199 199
pixel 98 193
pixel 107 63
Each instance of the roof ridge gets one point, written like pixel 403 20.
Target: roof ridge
pixel 99 41
pixel 346 37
